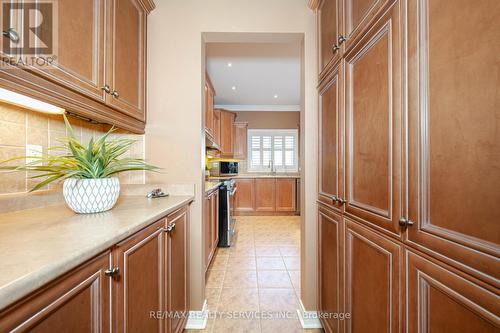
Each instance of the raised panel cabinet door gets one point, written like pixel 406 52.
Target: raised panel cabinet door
pixel 209 109
pixel 286 194
pixel 217 126
pixel 177 270
pixel 454 136
pixel 240 140
pixel 373 268
pixel 127 57
pixel 329 268
pixel 329 23
pixel 265 195
pixel 79 47
pixel 208 221
pixel 77 302
pixel 227 135
pixel 215 221
pixel 331 180
pixel 441 300
pixel 244 198
pixel 359 16
pixel 138 289
pixel 374 126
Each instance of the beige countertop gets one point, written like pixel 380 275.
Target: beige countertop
pixel 255 175
pixel 211 185
pixel 38 245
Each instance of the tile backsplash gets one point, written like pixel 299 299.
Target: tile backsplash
pixel 21 127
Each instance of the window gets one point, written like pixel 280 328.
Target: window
pixel 273 147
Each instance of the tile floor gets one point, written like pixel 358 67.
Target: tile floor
pixel 260 274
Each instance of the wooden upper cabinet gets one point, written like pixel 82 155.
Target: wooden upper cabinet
pixel 78 302
pixel 441 300
pixel 331 139
pixel 286 191
pixel 240 140
pixel 227 133
pixel 127 57
pixel 372 281
pixel 359 14
pixel 265 194
pixel 138 287
pixel 373 148
pixel 329 23
pixel 177 268
pixel 209 108
pixel 329 268
pixel 244 198
pixel 79 62
pixel 454 141
pixel 217 134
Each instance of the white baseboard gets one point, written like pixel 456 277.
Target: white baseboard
pixel 308 319
pixel 197 320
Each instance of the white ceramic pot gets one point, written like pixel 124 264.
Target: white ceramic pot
pixel 91 195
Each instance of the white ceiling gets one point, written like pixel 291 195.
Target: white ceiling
pixel 258 71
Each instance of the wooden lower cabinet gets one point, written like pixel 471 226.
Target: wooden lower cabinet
pixel 77 302
pixel 138 288
pixel 372 280
pixel 126 289
pixel 441 299
pixel 244 198
pixel 261 196
pixel 265 195
pixel 330 268
pixel 211 220
pixel 176 255
pixel 286 192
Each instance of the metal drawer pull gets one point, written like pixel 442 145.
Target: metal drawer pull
pixel 106 89
pixel 112 272
pixel 11 34
pixel 404 222
pixel 341 201
pixel 335 47
pixel 115 94
pixel 170 227
pixel 342 39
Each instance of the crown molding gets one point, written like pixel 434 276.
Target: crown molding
pixel 313 4
pixel 254 108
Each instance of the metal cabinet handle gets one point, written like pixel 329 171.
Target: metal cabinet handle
pixel 341 39
pixel 170 227
pixel 106 89
pixel 115 94
pixel 404 222
pixel 11 34
pixel 341 201
pixel 112 272
pixel 335 47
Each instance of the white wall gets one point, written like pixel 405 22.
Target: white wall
pixel 174 135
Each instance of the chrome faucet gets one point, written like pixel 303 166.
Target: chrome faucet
pixel 271 166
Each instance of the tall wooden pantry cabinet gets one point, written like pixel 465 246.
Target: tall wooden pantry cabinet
pixel 409 165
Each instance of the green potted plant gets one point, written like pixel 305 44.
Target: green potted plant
pixel 88 171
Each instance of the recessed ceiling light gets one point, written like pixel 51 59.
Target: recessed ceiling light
pixel 275 96
pixel 233 87
pixel 229 64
